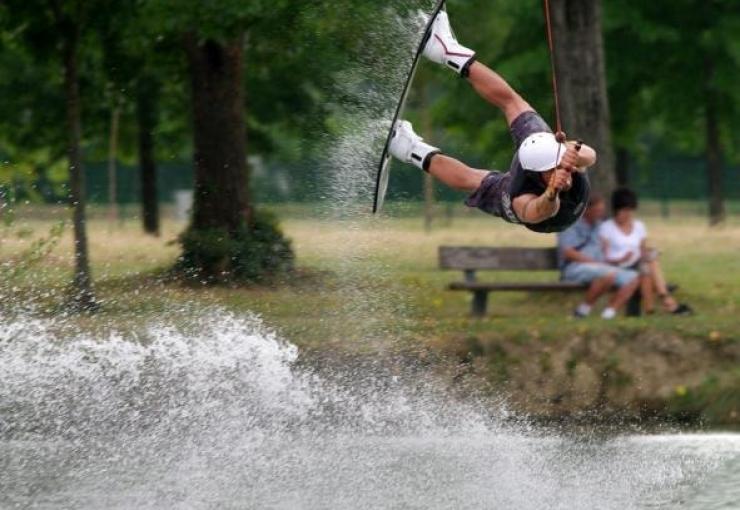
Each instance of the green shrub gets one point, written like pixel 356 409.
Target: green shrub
pixel 256 253
pixel 716 399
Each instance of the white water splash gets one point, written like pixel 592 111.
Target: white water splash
pixel 219 414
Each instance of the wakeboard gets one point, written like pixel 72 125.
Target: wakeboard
pixel 381 181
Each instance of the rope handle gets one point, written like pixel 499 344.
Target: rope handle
pixel 579 143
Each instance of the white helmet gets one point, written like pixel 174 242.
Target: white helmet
pixel 541 152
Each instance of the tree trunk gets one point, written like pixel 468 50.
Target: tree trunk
pixel 581 72
pixel 714 147
pixel 221 195
pixel 146 117
pixel 83 298
pixel 622 172
pixel 112 156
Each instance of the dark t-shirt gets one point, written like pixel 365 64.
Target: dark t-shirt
pixel 498 190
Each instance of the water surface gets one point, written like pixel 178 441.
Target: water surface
pixel 218 415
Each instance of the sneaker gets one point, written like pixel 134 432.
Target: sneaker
pixel 579 314
pixel 582 311
pixel 609 313
pixel 443 48
pixel 683 309
pixel 408 147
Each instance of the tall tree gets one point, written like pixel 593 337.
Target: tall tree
pixel 115 120
pixel 227 238
pixel 69 19
pixel 56 28
pixel 64 32
pixel 683 88
pixel 713 143
pixel 221 180
pixel 581 73
pixel 147 108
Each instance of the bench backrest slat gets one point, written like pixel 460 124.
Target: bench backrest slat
pixel 503 259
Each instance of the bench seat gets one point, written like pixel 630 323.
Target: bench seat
pixel 472 259
pixel 523 287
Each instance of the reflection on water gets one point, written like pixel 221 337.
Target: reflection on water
pixel 215 414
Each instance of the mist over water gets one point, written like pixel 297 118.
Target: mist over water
pixel 364 100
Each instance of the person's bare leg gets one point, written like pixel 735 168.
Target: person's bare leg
pixel 647 293
pixel 598 288
pixel 455 174
pixel 494 89
pixel 669 303
pixel 624 294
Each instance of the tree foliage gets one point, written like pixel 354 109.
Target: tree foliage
pixel 297 57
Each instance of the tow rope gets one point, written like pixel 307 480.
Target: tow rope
pixel 559 134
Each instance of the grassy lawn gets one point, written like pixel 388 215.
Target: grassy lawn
pixel 364 282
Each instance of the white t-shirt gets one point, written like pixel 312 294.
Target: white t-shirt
pixel 619 243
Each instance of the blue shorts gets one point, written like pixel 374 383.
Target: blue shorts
pixel 586 272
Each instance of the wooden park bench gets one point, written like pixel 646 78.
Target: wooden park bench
pixel 470 260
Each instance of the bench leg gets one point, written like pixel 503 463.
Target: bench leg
pixel 480 303
pixel 634 305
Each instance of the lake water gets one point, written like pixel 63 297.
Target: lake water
pixel 216 414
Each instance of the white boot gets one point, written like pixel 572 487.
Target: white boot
pixel 443 47
pixel 408 147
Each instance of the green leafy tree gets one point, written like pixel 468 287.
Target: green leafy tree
pixel 259 71
pixel 31 143
pixel 682 89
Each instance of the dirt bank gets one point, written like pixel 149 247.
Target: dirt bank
pixel 640 374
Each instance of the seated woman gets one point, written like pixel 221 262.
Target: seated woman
pixel 624 241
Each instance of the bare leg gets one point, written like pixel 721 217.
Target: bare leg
pixel 624 294
pixel 656 272
pixel 598 288
pixel 456 174
pixel 494 89
pixel 648 294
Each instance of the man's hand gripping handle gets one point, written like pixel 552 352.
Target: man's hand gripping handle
pixel 568 163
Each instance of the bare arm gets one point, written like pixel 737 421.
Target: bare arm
pixel 531 208
pixel 573 255
pixel 605 250
pixel 644 249
pixel 586 157
pixel 615 262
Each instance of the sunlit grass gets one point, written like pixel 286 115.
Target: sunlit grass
pixel 372 278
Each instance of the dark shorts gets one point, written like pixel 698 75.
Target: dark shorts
pixel 497 189
pixel 492 196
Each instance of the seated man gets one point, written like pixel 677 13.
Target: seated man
pixel 582 261
pixel 546 187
